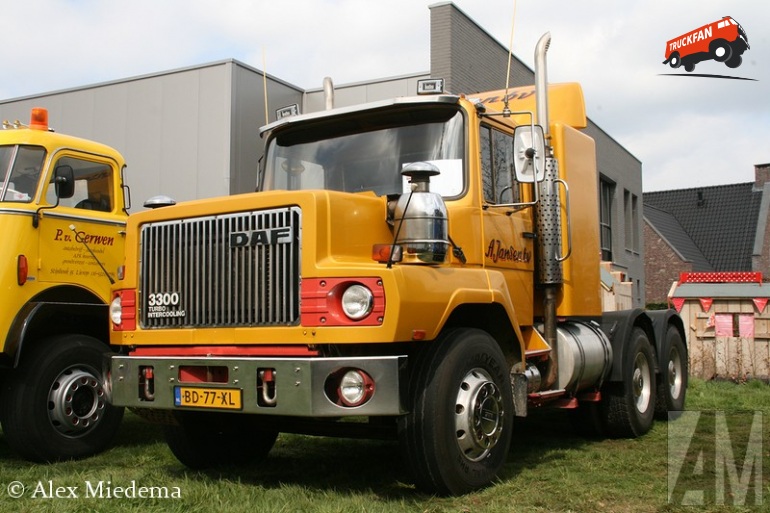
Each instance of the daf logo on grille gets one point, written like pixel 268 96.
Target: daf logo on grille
pixel 261 237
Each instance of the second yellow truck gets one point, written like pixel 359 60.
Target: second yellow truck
pixel 425 268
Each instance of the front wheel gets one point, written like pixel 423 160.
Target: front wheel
pixel 53 406
pixel 720 50
pixel 630 405
pixel 203 440
pixel 458 432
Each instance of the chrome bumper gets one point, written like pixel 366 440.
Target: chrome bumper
pixel 299 383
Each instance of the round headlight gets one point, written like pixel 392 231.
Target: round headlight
pixel 357 302
pixel 355 388
pixel 116 311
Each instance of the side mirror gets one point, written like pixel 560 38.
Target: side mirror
pixel 529 153
pixel 64 181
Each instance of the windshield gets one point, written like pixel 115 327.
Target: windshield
pixel 19 172
pixel 367 151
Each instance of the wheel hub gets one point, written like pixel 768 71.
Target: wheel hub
pixel 76 402
pixel 641 383
pixel 479 415
pixel 675 374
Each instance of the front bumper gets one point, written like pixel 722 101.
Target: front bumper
pixel 298 387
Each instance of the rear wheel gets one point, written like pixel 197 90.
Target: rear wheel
pixel 675 61
pixel 207 439
pixel 672 385
pixel 458 432
pixel 53 406
pixel 630 405
pixel 734 62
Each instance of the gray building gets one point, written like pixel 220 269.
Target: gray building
pixel 193 132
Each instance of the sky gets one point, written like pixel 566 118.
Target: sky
pixel 687 131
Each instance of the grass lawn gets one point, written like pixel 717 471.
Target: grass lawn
pixel 549 469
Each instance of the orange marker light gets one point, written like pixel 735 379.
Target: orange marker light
pixel 39 119
pixel 382 253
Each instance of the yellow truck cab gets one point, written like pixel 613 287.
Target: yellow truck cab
pixel 62 217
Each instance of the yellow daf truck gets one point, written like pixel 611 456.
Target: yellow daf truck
pixel 425 268
pixel 62 218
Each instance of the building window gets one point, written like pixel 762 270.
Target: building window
pixel 631 218
pixel 635 218
pixel 736 325
pixel 606 194
pixel 500 187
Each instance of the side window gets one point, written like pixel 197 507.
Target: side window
pixel 497 167
pixel 487 176
pixel 93 185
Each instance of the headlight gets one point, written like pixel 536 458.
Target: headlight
pixel 357 302
pixel 116 310
pixel 356 388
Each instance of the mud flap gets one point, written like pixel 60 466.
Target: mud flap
pixel 519 387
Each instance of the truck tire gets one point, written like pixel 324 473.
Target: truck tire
pixel 675 61
pixel 720 50
pixel 53 406
pixel 672 384
pixel 457 435
pixel 203 440
pixel 734 61
pixel 629 406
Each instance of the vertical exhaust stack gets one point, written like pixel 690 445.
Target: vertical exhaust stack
pixel 541 82
pixel 548 210
pixel 328 93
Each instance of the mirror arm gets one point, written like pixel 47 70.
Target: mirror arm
pixel 36 217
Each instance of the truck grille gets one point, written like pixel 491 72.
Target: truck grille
pixel 230 270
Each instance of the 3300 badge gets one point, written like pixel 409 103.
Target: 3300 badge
pixel 164 304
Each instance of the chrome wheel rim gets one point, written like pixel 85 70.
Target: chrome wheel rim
pixel 479 414
pixel 641 382
pixel 76 402
pixel 675 373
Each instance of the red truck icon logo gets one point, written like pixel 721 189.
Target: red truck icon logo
pixel 723 41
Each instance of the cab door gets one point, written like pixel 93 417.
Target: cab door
pixel 81 237
pixel 508 243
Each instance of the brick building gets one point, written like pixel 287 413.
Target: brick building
pixel 720 228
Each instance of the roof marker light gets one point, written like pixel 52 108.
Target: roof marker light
pixel 39 119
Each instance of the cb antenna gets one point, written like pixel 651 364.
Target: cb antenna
pixel 506 109
pixel 264 84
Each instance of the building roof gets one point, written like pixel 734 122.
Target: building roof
pixel 672 232
pixel 720 220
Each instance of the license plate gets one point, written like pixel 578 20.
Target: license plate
pixel 217 398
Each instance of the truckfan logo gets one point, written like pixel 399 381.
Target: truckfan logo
pixel 722 41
